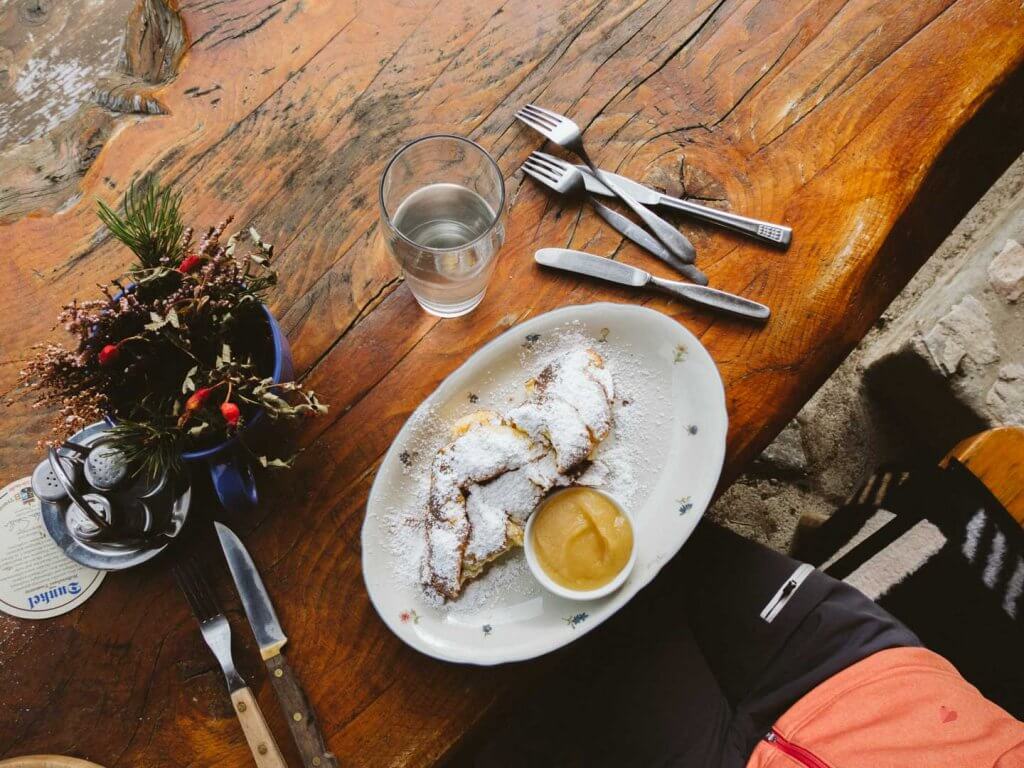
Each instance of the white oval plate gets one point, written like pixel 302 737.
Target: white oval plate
pixel 676 446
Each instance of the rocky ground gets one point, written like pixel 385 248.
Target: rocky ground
pixel 946 360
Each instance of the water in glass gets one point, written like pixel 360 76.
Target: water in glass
pixel 453 225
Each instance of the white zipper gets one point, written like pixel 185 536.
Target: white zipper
pixel 786 592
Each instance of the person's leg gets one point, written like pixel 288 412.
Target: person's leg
pixel 624 698
pixel 764 664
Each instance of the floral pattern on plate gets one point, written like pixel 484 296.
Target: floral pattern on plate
pixel 576 619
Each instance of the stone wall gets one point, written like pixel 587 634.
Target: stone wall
pixel 946 360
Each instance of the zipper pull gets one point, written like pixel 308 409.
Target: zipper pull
pixel 786 592
pixel 770 737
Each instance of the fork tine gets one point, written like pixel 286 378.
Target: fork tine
pixel 532 123
pixel 538 178
pixel 539 175
pixel 205 591
pixel 553 115
pixel 547 165
pixel 543 162
pixel 552 159
pixel 185 585
pixel 197 592
pixel 541 115
pixel 538 170
pixel 536 119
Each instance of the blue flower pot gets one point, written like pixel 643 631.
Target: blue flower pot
pixel 229 464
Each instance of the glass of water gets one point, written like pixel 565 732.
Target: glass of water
pixel 442 202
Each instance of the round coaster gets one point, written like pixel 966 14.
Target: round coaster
pixel 37 580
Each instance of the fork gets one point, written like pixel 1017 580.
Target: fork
pixel 217 633
pixel 564 132
pixel 567 179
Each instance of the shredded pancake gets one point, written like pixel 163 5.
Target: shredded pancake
pixel 488 480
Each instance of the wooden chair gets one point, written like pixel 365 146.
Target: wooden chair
pixel 996 457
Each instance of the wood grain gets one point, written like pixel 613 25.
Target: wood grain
pixel 868 127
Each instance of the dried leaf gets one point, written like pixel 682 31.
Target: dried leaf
pixel 279 463
pixel 189 384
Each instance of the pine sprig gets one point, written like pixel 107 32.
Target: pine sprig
pixel 152 449
pixel 178 358
pixel 151 225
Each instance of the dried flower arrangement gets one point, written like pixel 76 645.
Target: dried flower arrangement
pixel 177 352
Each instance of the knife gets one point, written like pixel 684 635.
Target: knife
pixel 623 274
pixel 776 234
pixel 271 639
pixel 639 235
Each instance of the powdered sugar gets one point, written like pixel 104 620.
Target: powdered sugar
pixel 555 421
pixel 619 467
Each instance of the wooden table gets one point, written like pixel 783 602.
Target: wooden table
pixel 870 127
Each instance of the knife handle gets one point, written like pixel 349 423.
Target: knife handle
pixel 638 235
pixel 676 242
pixel 299 714
pixel 261 741
pixel 712 297
pixel 765 231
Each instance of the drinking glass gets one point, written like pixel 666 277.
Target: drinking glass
pixel 442 202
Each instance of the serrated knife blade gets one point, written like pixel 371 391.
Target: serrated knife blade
pixel 260 611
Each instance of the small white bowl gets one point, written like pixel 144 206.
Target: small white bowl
pixel 575 594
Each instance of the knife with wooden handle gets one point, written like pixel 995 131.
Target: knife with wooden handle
pixel 271 639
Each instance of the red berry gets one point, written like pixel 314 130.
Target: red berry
pixel 189 264
pixel 231 413
pixel 109 354
pixel 197 398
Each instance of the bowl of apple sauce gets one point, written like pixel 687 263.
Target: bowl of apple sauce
pixel 580 544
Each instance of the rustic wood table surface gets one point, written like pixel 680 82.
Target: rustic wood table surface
pixel 869 127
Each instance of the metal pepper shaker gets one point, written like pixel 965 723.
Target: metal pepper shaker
pixel 100 510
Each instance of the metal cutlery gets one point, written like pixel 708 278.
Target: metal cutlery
pixel 638 235
pixel 775 234
pixel 568 180
pixel 564 132
pixel 271 639
pixel 623 274
pixel 217 634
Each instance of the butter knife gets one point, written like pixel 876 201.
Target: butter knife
pixel 776 234
pixel 639 235
pixel 271 639
pixel 623 274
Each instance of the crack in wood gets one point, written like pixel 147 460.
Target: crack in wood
pixel 367 307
